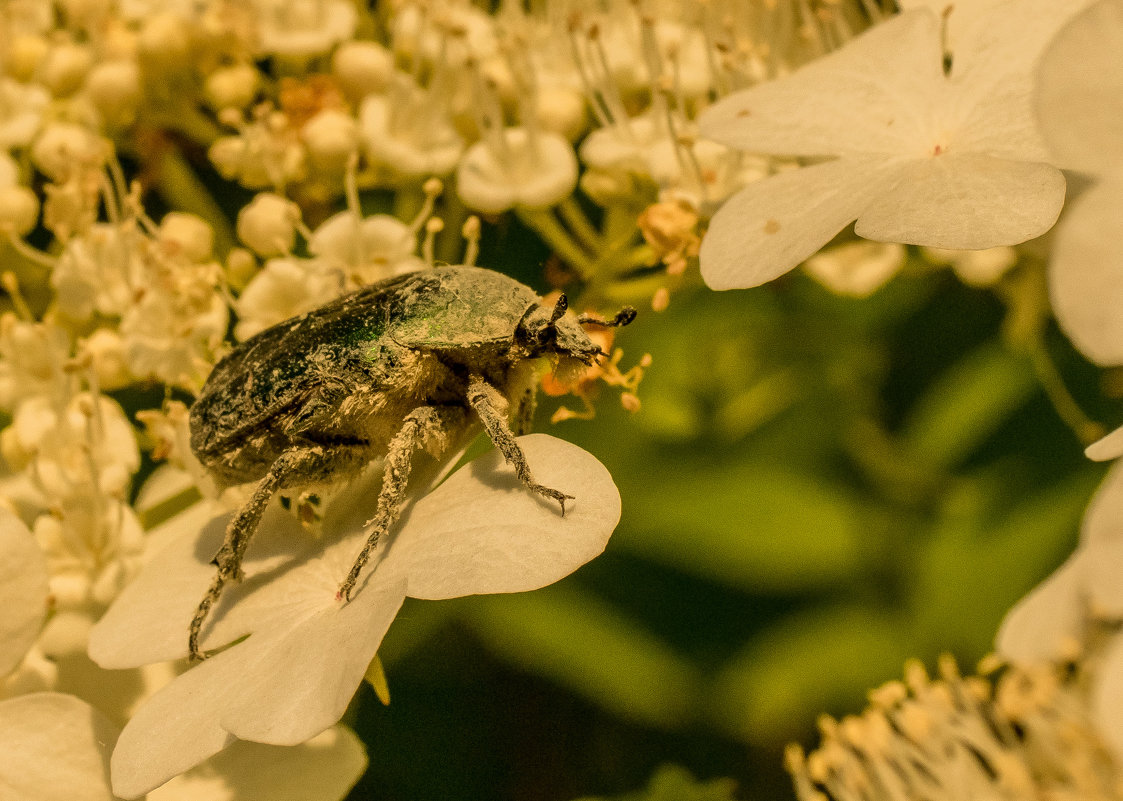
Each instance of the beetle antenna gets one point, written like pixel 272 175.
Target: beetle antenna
pixel 559 308
pixel 622 318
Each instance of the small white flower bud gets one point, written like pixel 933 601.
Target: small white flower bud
pixel 187 233
pixel 25 54
pixel 68 589
pixel 268 225
pixel 331 137
pixel 163 43
pixel 231 87
pixel 68 630
pixel 12 449
pixel 19 209
pixel 562 111
pixel 362 67
pixel 65 68
pixel 228 155
pixel 85 13
pixel 9 170
pixel 106 350
pixel 63 146
pixel 241 267
pixel 114 89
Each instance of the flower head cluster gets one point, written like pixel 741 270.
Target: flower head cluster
pixel 1025 734
pixel 126 272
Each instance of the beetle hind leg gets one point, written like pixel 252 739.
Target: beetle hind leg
pixel 425 426
pixel 488 403
pixel 298 465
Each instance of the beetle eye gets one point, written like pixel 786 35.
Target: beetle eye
pixel 537 329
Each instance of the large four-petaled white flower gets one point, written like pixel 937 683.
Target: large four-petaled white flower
pixel 480 531
pixel 912 152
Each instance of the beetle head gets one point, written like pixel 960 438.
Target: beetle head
pixel 545 330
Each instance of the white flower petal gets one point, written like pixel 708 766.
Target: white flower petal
pixel 1109 447
pixel 1079 96
pixel 23 590
pixel 306 652
pixel 1043 625
pixel 295 686
pixel 993 71
pixel 958 16
pixel 1086 273
pixel 966 202
pixel 874 95
pixel 856 269
pixel 54 747
pixel 772 225
pixel 1103 520
pixel 1102 585
pixel 175 729
pixel 283 684
pixel 482 531
pixel 1107 696
pixel 148 622
pixel 322 769
pixel 1102 534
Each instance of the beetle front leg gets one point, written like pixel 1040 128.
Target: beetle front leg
pixel 488 402
pixel 426 426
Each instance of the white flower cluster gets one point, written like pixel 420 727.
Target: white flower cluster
pixel 109 300
pixel 273 135
pixel 1023 734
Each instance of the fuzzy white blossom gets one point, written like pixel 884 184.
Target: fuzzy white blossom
pixel 1080 106
pixel 23 591
pixel 918 155
pixel 283 288
pixel 1052 621
pixel 363 251
pixel 518 167
pixel 293 676
pixel 407 133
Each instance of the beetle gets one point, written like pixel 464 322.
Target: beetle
pixel 407 363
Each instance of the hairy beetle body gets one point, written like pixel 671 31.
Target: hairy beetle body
pixel 404 364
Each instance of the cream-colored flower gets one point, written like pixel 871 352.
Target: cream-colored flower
pixel 282 289
pixel 292 677
pixel 406 132
pixel 517 167
pixel 919 155
pixel 1079 101
pixel 1027 735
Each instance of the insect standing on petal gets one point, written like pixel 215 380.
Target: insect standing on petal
pixel 401 365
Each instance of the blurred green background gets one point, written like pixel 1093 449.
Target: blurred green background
pixel 815 489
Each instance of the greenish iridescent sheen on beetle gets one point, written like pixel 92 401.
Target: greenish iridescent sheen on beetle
pixel 412 362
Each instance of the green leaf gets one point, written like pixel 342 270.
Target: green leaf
pixel 967 404
pixel 748 524
pixel 975 570
pixel 824 659
pixel 675 783
pixel 586 645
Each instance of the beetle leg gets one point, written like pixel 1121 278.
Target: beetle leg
pixel 420 427
pixel 228 560
pixel 487 402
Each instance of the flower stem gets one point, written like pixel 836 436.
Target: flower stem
pixel 546 225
